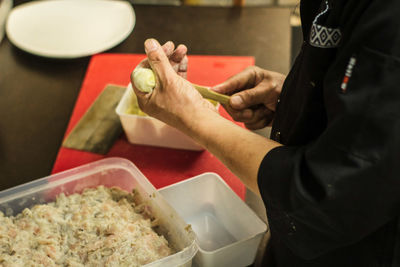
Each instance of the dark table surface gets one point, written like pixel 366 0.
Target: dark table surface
pixel 37 95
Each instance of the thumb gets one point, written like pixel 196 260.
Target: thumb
pixel 225 88
pixel 157 58
pixel 247 98
pixel 236 83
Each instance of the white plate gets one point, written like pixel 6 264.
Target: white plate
pixel 69 28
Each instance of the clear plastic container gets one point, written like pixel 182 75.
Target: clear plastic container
pixel 228 231
pixel 145 130
pixel 108 172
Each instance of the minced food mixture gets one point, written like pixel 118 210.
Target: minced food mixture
pixel 100 227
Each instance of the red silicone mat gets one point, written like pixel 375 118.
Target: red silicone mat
pixel 162 166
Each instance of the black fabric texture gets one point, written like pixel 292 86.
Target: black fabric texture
pixel 333 191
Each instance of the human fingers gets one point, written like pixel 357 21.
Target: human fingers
pixel 236 83
pixel 261 118
pixel 250 97
pixel 158 60
pixel 168 48
pixel 249 115
pixel 259 114
pixel 182 70
pixel 179 53
pixel 258 125
pixel 239 115
pixel 179 60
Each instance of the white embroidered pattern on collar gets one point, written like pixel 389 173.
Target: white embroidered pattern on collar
pixel 324 37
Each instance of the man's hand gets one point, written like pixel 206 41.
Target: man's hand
pixel 174 100
pixel 255 93
pixel 177 58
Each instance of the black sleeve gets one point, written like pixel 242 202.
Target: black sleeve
pixel 346 184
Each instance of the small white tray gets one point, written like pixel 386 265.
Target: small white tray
pixel 145 130
pixel 228 231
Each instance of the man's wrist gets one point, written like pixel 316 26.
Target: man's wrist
pixel 195 121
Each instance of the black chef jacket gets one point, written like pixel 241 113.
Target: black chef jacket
pixel 332 193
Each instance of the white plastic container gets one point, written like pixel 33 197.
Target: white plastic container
pixel 108 172
pixel 228 231
pixel 145 130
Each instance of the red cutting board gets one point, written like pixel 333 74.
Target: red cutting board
pixel 162 166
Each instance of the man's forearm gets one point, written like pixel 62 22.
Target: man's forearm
pixel 239 149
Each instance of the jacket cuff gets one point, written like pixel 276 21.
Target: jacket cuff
pixel 276 173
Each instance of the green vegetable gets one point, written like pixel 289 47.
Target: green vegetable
pixel 144 79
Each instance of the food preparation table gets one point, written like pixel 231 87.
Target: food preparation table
pixel 37 95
